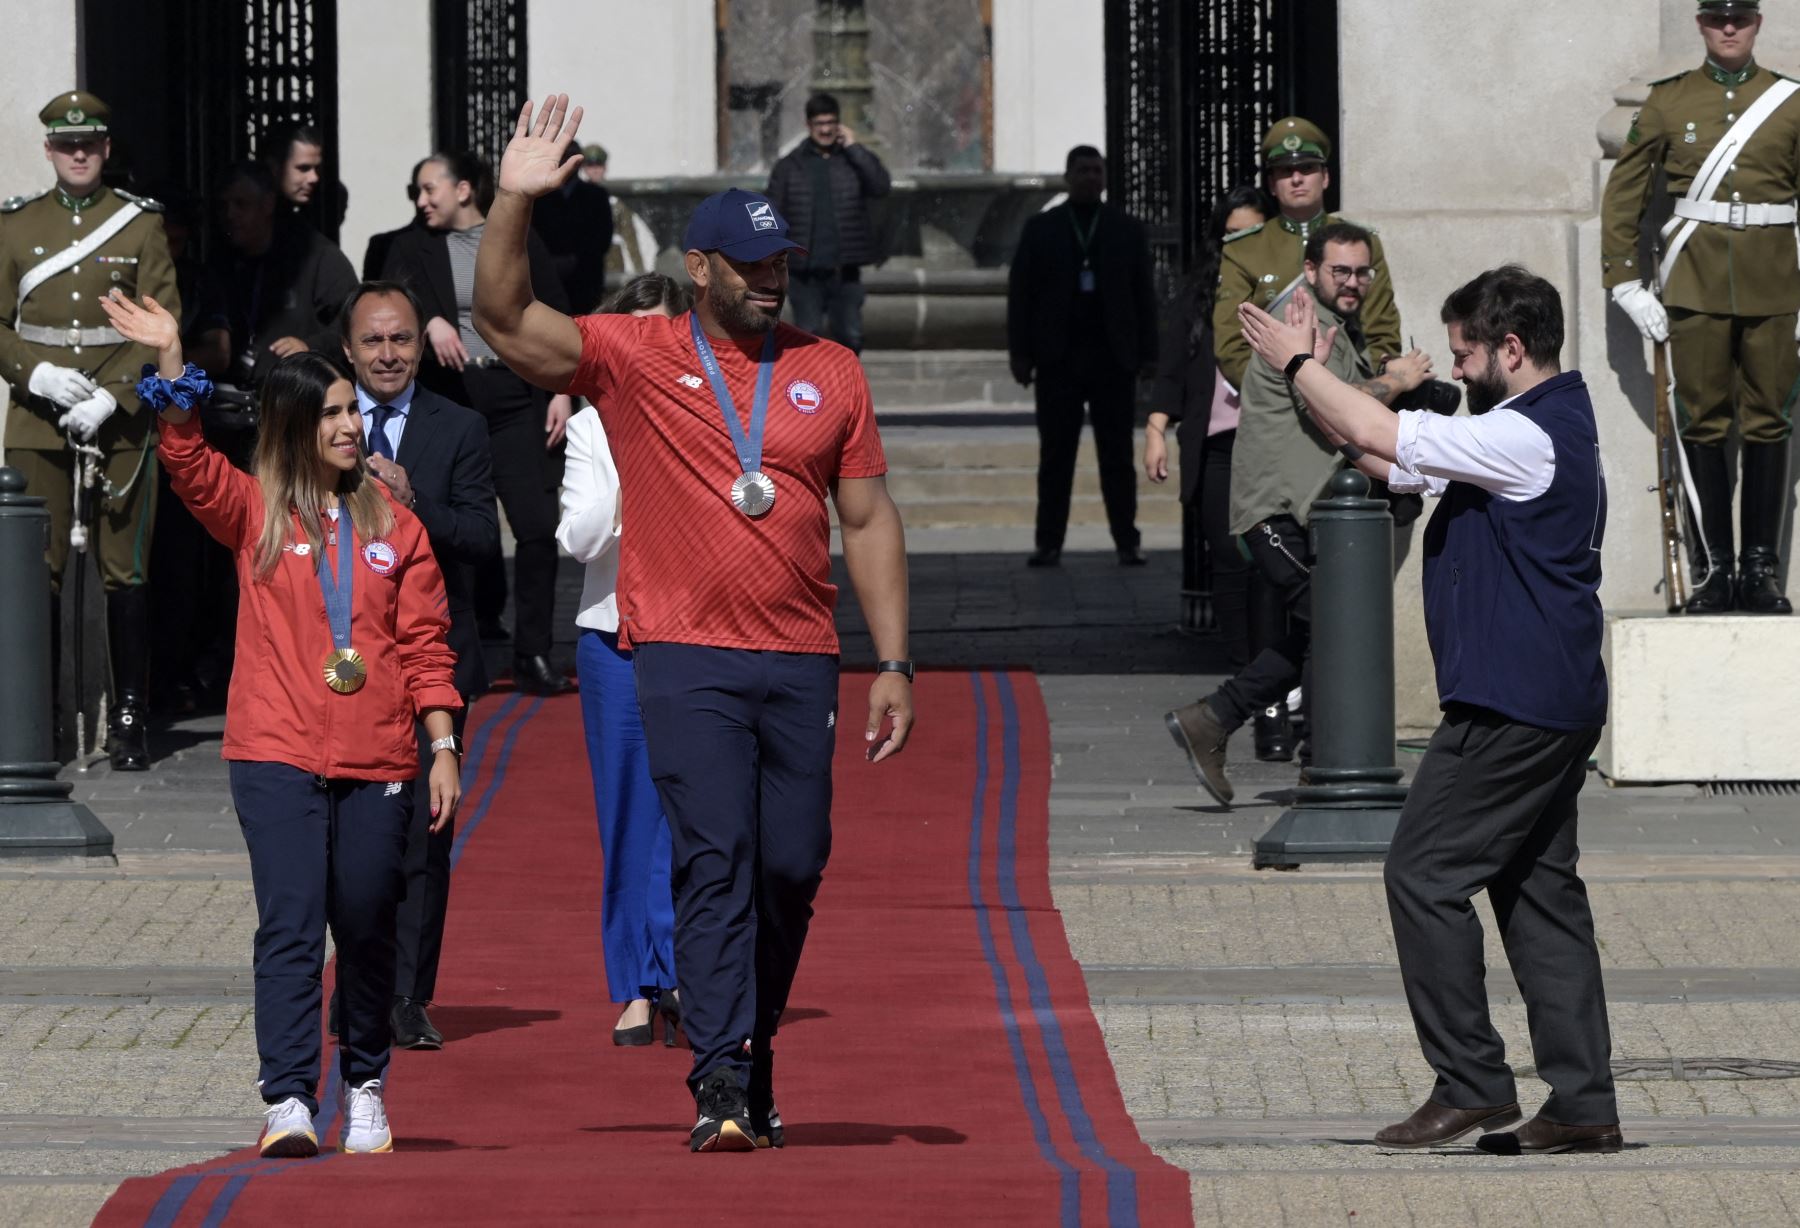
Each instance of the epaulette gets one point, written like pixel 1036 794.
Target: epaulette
pixel 1245 233
pixel 147 204
pixel 14 203
pixel 1672 77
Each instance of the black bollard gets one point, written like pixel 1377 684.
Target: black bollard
pixel 1348 808
pixel 37 817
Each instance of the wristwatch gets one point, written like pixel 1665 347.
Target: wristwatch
pixel 895 667
pixel 1293 366
pixel 452 743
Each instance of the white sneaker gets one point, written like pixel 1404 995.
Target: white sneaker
pixel 289 1131
pixel 365 1120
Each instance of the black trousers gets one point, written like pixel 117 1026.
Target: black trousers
pixel 1231 572
pixel 740 746
pixel 1493 808
pixel 1087 380
pixel 829 303
pixel 526 477
pixel 1281 553
pixel 419 921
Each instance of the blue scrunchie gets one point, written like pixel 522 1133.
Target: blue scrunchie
pixel 188 391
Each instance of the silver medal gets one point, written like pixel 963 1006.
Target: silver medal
pixel 753 493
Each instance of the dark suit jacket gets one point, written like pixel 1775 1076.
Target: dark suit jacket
pixel 1185 372
pixel 1040 295
pixel 577 228
pixel 445 454
pixel 421 259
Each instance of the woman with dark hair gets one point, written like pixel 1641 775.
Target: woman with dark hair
pixel 525 424
pixel 637 905
pixel 341 644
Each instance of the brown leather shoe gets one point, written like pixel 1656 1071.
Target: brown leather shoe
pixel 1541 1136
pixel 1198 732
pixel 1435 1125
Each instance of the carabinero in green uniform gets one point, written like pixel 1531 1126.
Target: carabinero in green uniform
pixel 72 379
pixel 1727 137
pixel 1262 262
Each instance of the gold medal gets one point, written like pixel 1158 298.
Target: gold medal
pixel 345 670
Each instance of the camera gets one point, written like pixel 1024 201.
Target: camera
pixel 1439 396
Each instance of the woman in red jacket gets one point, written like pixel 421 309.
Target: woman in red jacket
pixel 340 643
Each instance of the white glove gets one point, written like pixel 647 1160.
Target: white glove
pixel 1644 308
pixel 85 418
pixel 64 385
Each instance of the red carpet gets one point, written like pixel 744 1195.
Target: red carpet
pixel 939 1061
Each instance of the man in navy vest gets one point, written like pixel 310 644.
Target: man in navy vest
pixel 1512 610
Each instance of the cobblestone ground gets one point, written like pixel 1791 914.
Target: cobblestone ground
pixel 1255 1020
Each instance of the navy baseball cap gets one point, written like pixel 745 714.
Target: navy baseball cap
pixel 743 225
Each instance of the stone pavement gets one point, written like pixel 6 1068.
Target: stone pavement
pixel 1255 1019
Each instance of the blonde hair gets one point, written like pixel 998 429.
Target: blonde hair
pixel 286 464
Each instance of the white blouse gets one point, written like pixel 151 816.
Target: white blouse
pixel 589 529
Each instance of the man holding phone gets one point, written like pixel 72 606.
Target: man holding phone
pixel 824 186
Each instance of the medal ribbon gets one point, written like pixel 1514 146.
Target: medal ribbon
pixel 749 445
pixel 340 589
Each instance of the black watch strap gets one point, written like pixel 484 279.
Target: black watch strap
pixel 1294 364
pixel 895 667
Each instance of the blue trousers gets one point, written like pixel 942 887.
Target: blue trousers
pixel 740 749
pixel 637 904
pixel 321 851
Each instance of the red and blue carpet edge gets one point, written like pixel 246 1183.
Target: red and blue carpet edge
pixel 939 1058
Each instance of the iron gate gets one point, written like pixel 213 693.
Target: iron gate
pixel 226 74
pixel 1191 86
pixel 480 73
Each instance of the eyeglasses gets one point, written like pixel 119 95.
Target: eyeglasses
pixel 1344 272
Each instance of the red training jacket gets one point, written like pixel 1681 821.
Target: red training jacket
pixel 279 709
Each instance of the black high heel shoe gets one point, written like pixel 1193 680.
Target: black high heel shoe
pixel 642 1034
pixel 668 1005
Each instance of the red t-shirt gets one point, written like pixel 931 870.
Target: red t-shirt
pixel 692 568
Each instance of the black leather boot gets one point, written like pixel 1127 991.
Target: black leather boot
pixel 128 635
pixel 1764 513
pixel 1712 592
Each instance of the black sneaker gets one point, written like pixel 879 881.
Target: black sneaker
pixel 765 1118
pixel 724 1121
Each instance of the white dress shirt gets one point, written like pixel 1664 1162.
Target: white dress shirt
pixel 589 529
pixel 396 423
pixel 1502 451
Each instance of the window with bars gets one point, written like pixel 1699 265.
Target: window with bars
pixel 480 66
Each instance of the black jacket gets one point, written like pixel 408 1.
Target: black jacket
pixel 445 454
pixel 856 177
pixel 421 259
pixel 295 289
pixel 577 228
pixel 1186 371
pixel 1040 293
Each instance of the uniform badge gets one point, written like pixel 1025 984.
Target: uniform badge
pixel 804 396
pixel 75 115
pixel 1292 142
pixel 381 557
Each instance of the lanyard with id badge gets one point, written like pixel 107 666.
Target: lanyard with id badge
pixel 1084 281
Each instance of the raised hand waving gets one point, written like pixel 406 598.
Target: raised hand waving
pixel 533 164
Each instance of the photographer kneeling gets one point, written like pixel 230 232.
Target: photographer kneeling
pixel 1281 463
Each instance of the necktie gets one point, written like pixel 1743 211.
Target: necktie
pixel 378 437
